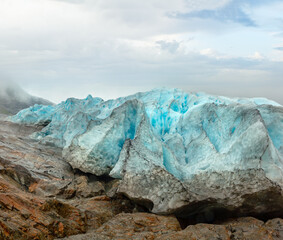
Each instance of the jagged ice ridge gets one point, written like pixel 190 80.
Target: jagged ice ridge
pixel 186 135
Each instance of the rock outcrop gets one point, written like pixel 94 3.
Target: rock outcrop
pixel 134 226
pixel 41 197
pixel 242 229
pixel 149 226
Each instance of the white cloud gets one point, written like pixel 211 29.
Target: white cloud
pixel 61 48
pixel 257 56
pixel 198 5
pixel 208 52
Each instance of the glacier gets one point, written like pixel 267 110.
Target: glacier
pixel 166 144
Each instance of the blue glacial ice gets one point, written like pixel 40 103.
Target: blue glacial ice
pixel 181 132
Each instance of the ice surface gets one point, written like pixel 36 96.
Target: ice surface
pixel 181 132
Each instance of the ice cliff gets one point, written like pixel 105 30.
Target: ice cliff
pixel 172 148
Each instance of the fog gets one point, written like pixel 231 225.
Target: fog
pixel 13 98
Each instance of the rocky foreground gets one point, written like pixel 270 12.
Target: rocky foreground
pixel 42 197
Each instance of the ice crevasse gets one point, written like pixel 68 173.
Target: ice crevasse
pixel 184 134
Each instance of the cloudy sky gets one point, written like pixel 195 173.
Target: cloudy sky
pixel 109 48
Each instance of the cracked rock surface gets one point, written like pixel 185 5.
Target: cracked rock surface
pixel 148 226
pixel 42 197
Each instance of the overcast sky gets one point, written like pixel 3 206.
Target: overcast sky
pixel 110 48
